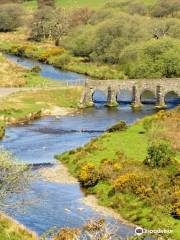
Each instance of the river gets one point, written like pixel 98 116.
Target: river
pixel 36 143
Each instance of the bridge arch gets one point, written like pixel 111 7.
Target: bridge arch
pixel 157 88
pixel 124 96
pixel 99 96
pixel 148 96
pixel 172 97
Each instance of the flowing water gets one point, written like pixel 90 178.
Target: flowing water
pixel 37 143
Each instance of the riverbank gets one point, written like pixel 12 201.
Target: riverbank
pixel 112 168
pixel 58 174
pixel 24 107
pixel 11 229
pixel 13 75
pixel 56 56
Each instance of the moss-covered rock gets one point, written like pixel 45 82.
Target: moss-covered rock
pixel 120 126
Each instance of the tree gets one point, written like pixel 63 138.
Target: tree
pixel 50 24
pixel 165 7
pixel 10 17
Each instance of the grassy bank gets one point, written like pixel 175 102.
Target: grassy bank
pixel 20 107
pixel 13 75
pixel 112 167
pixel 10 230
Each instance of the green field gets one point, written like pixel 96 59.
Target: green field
pixel 72 3
pixel 85 3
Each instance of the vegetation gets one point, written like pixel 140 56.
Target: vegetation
pixel 92 230
pixel 10 17
pixel 25 106
pixel 60 58
pixel 159 155
pixel 14 180
pixel 10 230
pixel 146 194
pixel 120 40
pixel 133 170
pixel 120 126
pixel 2 130
pixel 13 75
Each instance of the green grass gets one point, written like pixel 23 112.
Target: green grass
pixel 35 80
pixel 84 3
pixel 13 75
pixel 9 230
pixel 19 105
pixel 71 3
pixel 133 144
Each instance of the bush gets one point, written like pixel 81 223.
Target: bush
pixel 159 155
pixel 60 60
pixel 120 126
pixel 109 169
pixel 36 69
pixel 147 123
pixel 165 7
pixel 10 17
pixel 176 210
pixel 88 175
pixel 2 132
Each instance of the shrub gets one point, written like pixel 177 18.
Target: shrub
pixel 120 126
pixel 165 7
pixel 36 69
pixel 109 169
pixel 44 3
pixel 80 16
pixel 2 132
pixel 159 155
pixel 88 175
pixel 133 182
pixel 10 17
pixel 125 182
pixel 176 210
pixel 60 60
pixel 147 123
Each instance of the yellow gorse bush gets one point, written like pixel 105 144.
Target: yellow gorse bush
pixel 88 175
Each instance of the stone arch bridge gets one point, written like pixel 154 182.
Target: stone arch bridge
pixel 159 87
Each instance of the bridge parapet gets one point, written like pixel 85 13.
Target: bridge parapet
pixel 159 87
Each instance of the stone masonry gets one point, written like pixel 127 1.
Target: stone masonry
pixel 159 87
